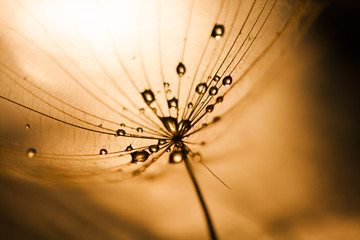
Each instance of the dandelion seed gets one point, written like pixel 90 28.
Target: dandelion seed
pixel 104 74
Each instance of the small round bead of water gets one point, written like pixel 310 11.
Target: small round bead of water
pixel 148 96
pixel 201 88
pixel 120 132
pixel 227 81
pixel 209 108
pixel 176 156
pixel 154 148
pixel 129 148
pixel 213 91
pixel 180 69
pixel 31 152
pixel 218 31
pixel 103 151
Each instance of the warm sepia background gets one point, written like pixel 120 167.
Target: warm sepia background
pixel 289 151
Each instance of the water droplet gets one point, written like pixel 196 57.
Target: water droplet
pixel 142 110
pixel 209 108
pixel 219 99
pixel 184 126
pixel 27 126
pixel 227 80
pixel 173 103
pixel 190 105
pixel 120 132
pixel 170 124
pixel 31 152
pixel 103 151
pixel 161 141
pixel 180 69
pixel 216 78
pixel 168 91
pixel 122 124
pixel 197 157
pixel 201 88
pixel 166 84
pixel 177 156
pixel 218 31
pixel 213 91
pixel 139 156
pixel 154 148
pixel 139 130
pixel 216 119
pixel 168 149
pixel 204 125
pixel 129 148
pixel 148 96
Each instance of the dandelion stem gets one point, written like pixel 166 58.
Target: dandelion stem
pixel 202 201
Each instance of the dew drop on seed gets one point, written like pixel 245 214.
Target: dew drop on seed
pixel 27 126
pixel 139 130
pixel 176 156
pixel 216 119
pixel 184 126
pixel 168 91
pixel 213 91
pixel 168 149
pixel 218 31
pixel 161 141
pixel 120 132
pixel 142 110
pixel 209 108
pixel 190 105
pixel 197 157
pixel 216 78
pixel 139 156
pixel 103 151
pixel 219 99
pixel 201 88
pixel 148 96
pixel 227 80
pixel 129 148
pixel 122 124
pixel 180 69
pixel 204 125
pixel 166 84
pixel 170 124
pixel 30 153
pixel 154 148
pixel 173 103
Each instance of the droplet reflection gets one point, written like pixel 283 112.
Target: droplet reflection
pixel 227 80
pixel 218 31
pixel 201 88
pixel 103 151
pixel 31 152
pixel 180 69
